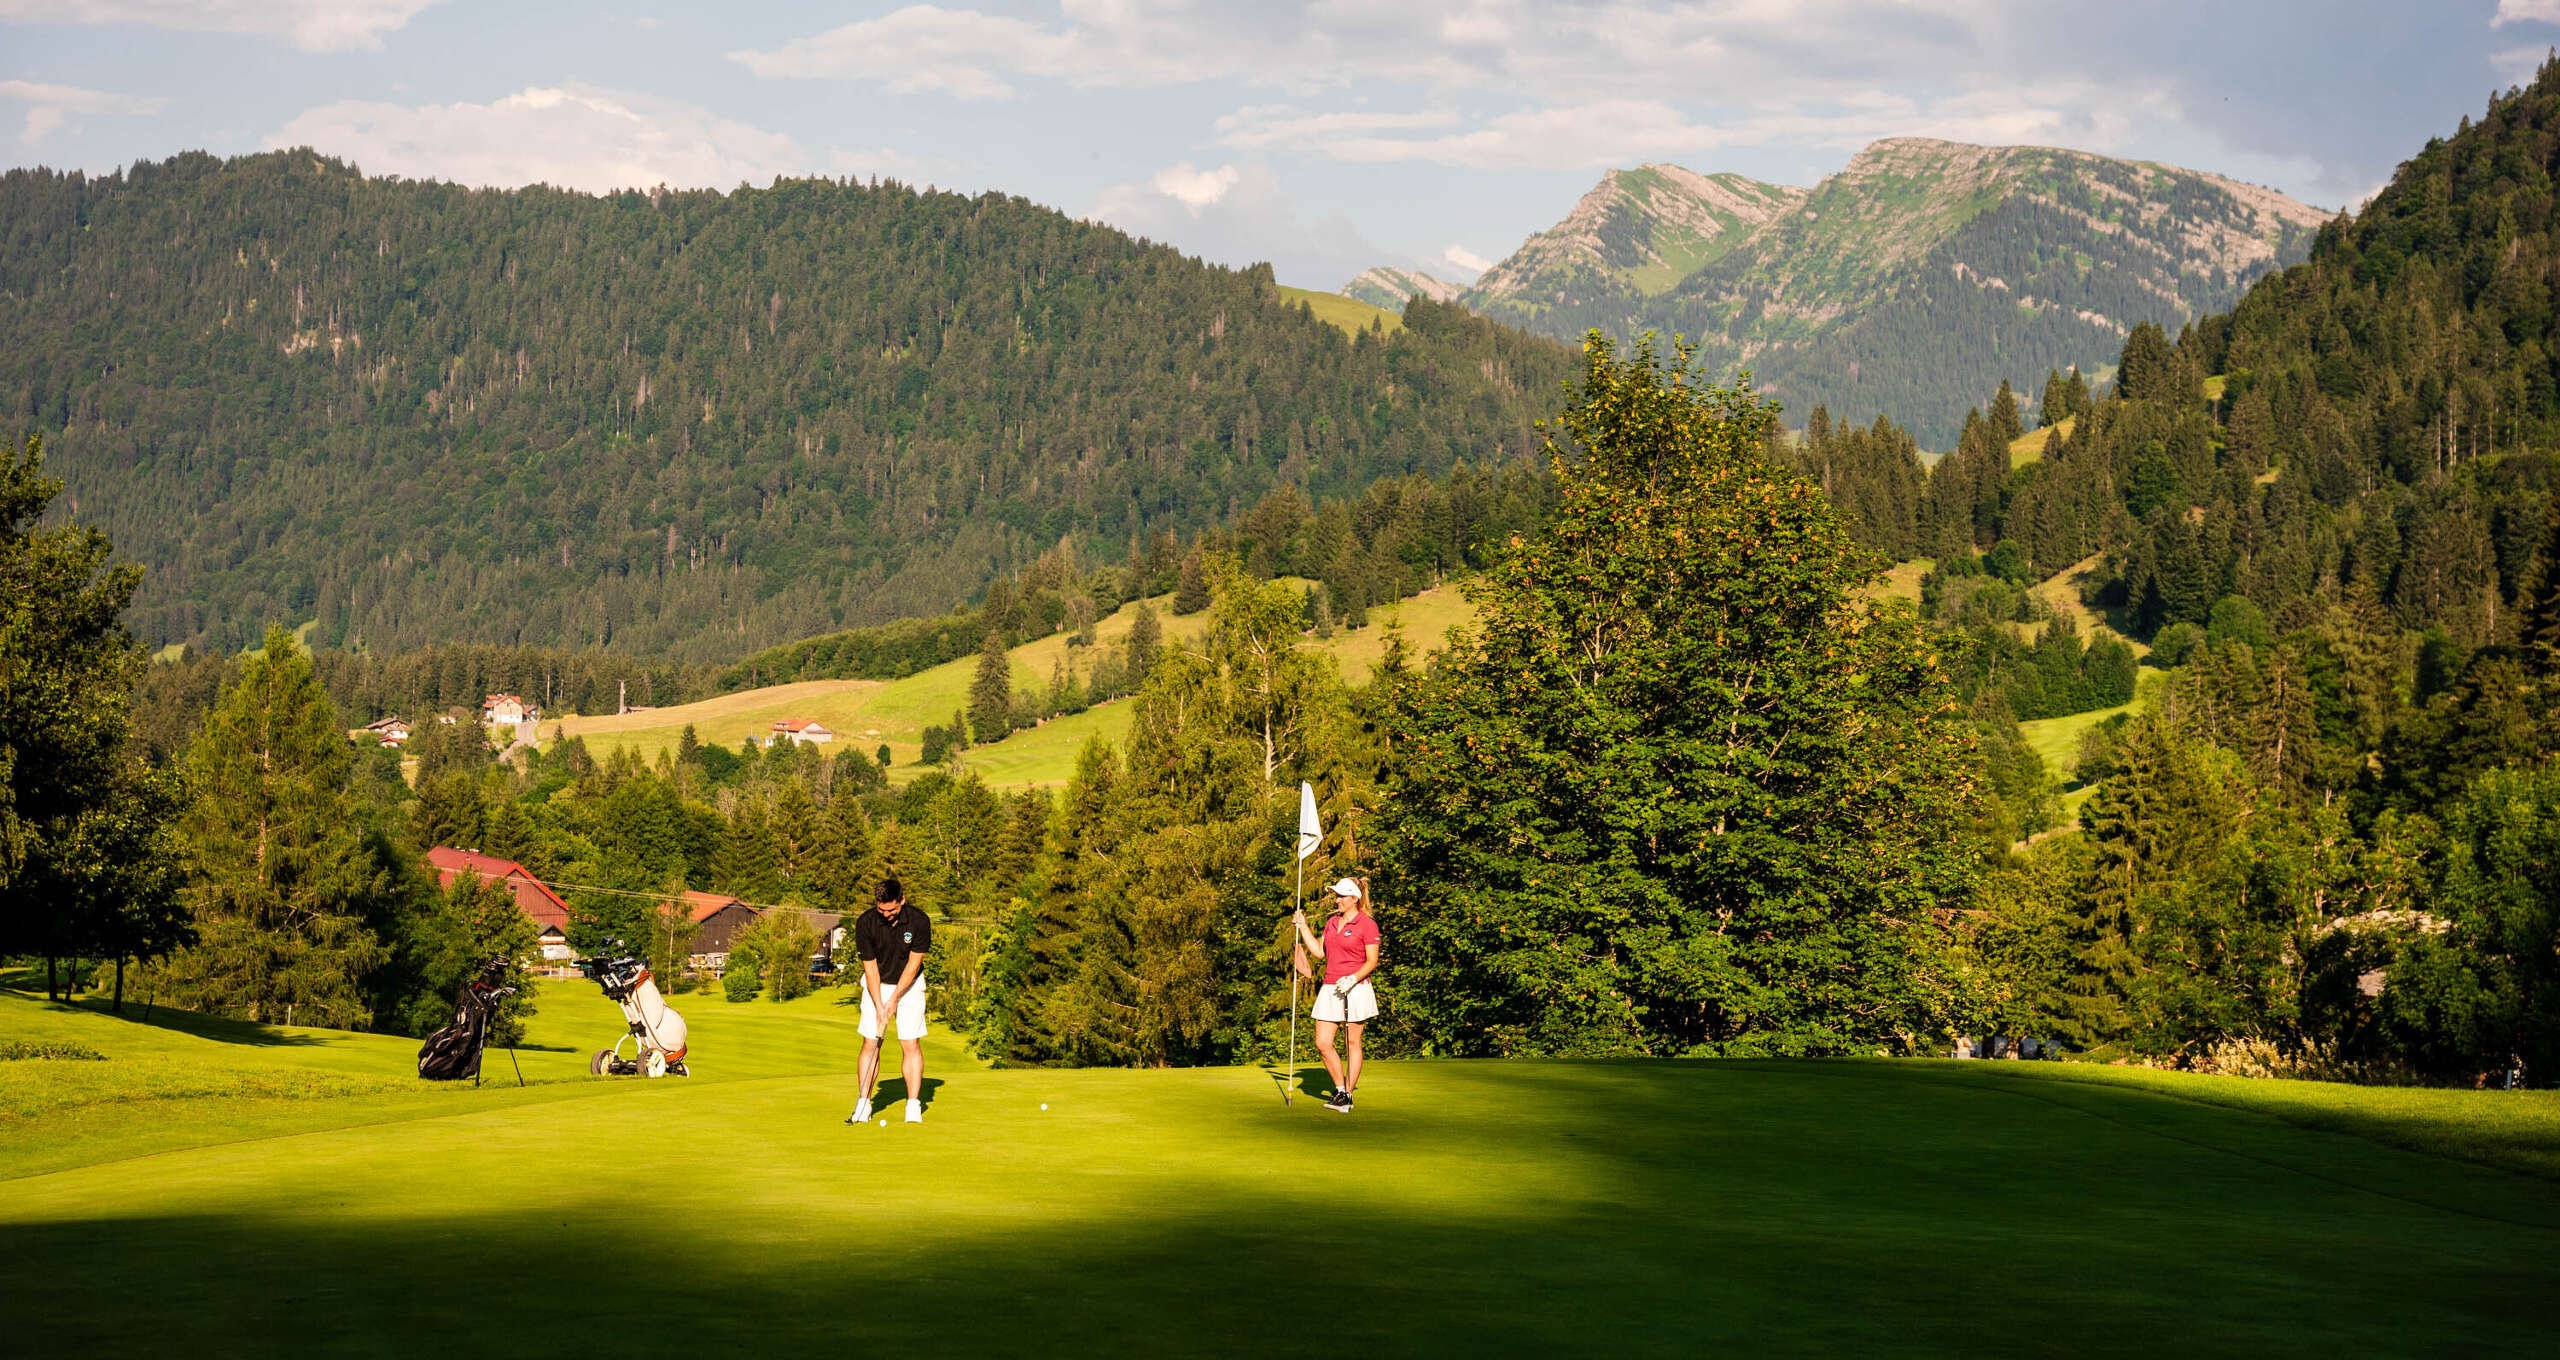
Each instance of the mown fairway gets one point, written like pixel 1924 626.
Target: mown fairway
pixel 288 1192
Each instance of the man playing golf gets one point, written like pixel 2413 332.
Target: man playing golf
pixel 891 940
pixel 1350 950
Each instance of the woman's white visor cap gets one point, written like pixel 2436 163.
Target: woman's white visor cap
pixel 1346 888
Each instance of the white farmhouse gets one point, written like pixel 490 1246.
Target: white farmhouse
pixel 800 732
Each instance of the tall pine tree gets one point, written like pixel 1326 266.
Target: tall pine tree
pixel 283 883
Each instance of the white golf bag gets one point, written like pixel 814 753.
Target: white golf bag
pixel 657 1032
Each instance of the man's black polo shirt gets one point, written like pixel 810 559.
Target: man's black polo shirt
pixel 890 942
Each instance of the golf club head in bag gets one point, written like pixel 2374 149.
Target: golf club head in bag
pixel 453 1053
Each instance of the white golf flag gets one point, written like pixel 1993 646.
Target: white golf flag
pixel 1310 830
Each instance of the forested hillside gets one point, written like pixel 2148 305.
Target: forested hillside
pixel 1911 283
pixel 681 426
pixel 2330 512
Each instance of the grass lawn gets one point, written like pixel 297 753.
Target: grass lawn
pixel 1470 1208
pixel 867 713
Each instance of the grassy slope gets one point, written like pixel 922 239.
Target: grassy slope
pixel 2029 447
pixel 2058 739
pixel 866 713
pixel 1348 315
pixel 1902 582
pixel 1482 1207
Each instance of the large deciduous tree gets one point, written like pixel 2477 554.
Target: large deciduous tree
pixel 1684 789
pixel 84 863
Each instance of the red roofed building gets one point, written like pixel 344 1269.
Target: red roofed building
pixel 799 731
pixel 534 898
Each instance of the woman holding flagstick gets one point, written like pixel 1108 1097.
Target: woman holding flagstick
pixel 1350 951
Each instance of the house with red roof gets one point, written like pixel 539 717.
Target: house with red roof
pixel 545 908
pixel 388 731
pixel 800 732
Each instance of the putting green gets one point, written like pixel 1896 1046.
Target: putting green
pixel 1466 1208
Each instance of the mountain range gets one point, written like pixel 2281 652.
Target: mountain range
pixel 1911 283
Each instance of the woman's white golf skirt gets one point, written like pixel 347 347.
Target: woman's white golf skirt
pixel 1363 1004
pixel 910 1012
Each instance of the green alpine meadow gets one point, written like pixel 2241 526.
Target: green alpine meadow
pixel 681 683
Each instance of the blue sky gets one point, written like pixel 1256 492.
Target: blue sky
pixel 1323 137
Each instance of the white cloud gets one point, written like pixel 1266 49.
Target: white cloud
pixel 1195 189
pixel 1465 259
pixel 571 136
pixel 2517 64
pixel 1236 215
pixel 1624 131
pixel 1280 125
pixel 2526 12
pixel 312 25
pixel 50 107
pixel 1741 49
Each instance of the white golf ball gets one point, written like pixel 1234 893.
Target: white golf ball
pixel 1044 1107
pixel 884 1123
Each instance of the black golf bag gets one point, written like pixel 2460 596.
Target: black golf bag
pixel 453 1053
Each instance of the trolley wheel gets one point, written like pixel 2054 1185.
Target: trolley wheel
pixel 600 1063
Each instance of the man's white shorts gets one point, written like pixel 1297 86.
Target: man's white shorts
pixel 1363 1003
pixel 910 1011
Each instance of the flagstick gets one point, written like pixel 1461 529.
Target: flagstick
pixel 1286 1086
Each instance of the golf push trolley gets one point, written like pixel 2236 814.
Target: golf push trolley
pixel 657 1032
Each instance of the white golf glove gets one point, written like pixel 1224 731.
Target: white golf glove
pixel 1343 988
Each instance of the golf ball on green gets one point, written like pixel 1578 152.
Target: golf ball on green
pixel 884 1123
pixel 1044 1107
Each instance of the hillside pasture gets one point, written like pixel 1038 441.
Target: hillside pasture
pixel 865 714
pixel 2029 447
pixel 1348 315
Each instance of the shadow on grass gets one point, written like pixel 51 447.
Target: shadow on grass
pixel 1657 1228
pixel 893 1090
pixel 214 1027
pixel 1467 1209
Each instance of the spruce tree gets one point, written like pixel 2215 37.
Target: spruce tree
pixel 2146 371
pixel 2006 424
pixel 2054 405
pixel 1146 644
pixel 1191 590
pixel 795 835
pixel 841 869
pixel 991 693
pixel 283 883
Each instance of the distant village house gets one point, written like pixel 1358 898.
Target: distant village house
pixel 545 908
pixel 390 732
pixel 507 710
pixel 719 919
pixel 800 732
